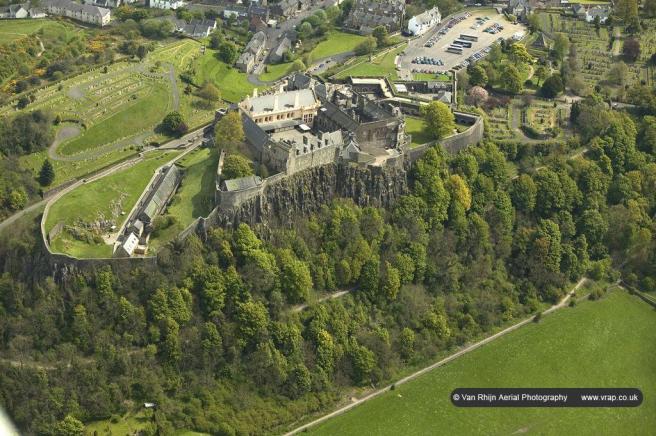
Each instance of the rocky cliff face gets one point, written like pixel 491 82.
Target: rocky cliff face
pixel 305 192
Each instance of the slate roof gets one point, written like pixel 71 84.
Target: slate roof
pixel 254 133
pixel 76 7
pixel 332 111
pixel 165 187
pixel 242 183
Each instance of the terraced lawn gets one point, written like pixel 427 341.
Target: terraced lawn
pixel 605 343
pixel 275 72
pixel 145 114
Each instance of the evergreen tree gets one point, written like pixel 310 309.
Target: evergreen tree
pixel 46 174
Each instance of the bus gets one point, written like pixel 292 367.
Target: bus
pixel 462 43
pixel 466 37
pixel 454 49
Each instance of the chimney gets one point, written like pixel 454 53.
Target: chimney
pixel 275 102
pixel 296 99
pixel 254 92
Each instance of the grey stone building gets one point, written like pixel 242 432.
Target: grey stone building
pixel 366 15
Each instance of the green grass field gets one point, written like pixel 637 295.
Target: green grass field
pixel 127 425
pixel 106 197
pixel 11 30
pixel 195 197
pixel 65 170
pixel 337 42
pixel 232 83
pixel 380 66
pixel 275 72
pixel 607 343
pixel 417 128
pixel 146 113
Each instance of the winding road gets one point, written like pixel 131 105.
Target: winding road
pixel 423 371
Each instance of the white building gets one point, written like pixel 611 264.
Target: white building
pixel 165 4
pixel 419 24
pixel 85 13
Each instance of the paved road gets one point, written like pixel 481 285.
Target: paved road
pixel 423 371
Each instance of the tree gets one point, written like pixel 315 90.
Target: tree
pixel 216 39
pixel 511 80
pixel 295 278
pixel 440 121
pixel 631 49
pixel 552 86
pixel 391 282
pixel 561 46
pixel 298 65
pixel 209 93
pixel 228 52
pixel 229 130
pixel 142 51
pixel 46 174
pixel 619 73
pixel 477 76
pixel 477 96
pixel 305 30
pixel 523 193
pixel 381 35
pixel 519 54
pixel 366 47
pixel 236 166
pixel 174 124
pixel 649 7
pixel 407 343
pixel 69 426
pixel 541 73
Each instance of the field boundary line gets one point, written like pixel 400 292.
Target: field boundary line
pixel 414 375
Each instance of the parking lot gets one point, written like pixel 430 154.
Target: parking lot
pixel 428 54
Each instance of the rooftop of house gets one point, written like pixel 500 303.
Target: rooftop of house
pixel 76 7
pixel 428 16
pixel 283 101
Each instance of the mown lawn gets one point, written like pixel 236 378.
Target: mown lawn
pixel 417 128
pixel 382 65
pixel 91 201
pixel 232 83
pixel 145 114
pixel 195 197
pixel 607 343
pixel 336 42
pixel 275 72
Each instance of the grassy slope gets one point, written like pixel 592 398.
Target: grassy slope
pixel 128 424
pixel 337 42
pixel 146 113
pixel 233 84
pixel 92 199
pixel 609 343
pixel 380 66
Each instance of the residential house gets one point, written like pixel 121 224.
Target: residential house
pixel 366 15
pixel 198 28
pixel 597 12
pixel 289 8
pixel 251 53
pixel 18 11
pixel 276 54
pixel 519 8
pixel 579 11
pixel 104 3
pixel 165 4
pixel 419 24
pixel 85 13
